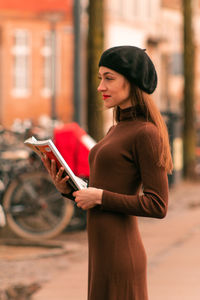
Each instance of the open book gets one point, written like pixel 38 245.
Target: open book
pixel 47 147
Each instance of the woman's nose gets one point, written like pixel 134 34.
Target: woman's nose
pixel 101 86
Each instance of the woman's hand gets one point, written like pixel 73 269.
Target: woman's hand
pixel 60 182
pixel 88 198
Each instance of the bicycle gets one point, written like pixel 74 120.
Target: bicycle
pixel 34 209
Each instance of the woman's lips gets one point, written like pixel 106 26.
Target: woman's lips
pixel 105 97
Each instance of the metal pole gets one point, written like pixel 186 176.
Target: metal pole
pixel 53 97
pixel 77 62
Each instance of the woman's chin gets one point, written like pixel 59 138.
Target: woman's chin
pixel 108 105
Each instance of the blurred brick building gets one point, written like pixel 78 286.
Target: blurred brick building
pixel 36 59
pixel 156 25
pixel 32 32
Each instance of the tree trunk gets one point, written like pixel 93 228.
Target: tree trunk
pixel 189 140
pixel 95 48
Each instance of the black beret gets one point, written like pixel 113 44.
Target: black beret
pixel 133 63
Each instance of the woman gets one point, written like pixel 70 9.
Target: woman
pixel 135 153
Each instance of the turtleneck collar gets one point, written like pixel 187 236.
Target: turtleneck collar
pixel 129 113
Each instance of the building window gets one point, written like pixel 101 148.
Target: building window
pixel 177 64
pixel 47 77
pixel 21 63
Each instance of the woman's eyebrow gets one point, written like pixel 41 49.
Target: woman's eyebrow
pixel 106 73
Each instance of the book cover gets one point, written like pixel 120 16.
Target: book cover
pixel 47 147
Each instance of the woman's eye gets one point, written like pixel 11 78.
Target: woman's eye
pixel 109 78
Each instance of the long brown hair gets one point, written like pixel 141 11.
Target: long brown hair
pixel 146 106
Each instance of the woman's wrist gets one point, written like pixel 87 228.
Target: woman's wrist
pixel 66 190
pixel 99 196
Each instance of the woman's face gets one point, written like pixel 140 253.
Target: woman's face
pixel 115 88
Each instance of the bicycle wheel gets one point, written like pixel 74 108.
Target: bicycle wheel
pixel 34 208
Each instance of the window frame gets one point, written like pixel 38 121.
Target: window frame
pixel 21 67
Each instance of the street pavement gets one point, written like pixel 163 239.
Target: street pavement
pixel 172 245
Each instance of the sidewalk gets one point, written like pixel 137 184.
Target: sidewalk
pixel 173 255
pixel 172 246
pixel 68 285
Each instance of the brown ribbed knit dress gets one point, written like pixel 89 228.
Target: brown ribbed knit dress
pixel 120 163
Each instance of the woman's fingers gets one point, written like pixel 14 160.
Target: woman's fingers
pixel 60 173
pixel 65 179
pixel 46 163
pixel 57 177
pixel 88 198
pixel 53 168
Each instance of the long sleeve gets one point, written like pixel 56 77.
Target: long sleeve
pixel 153 202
